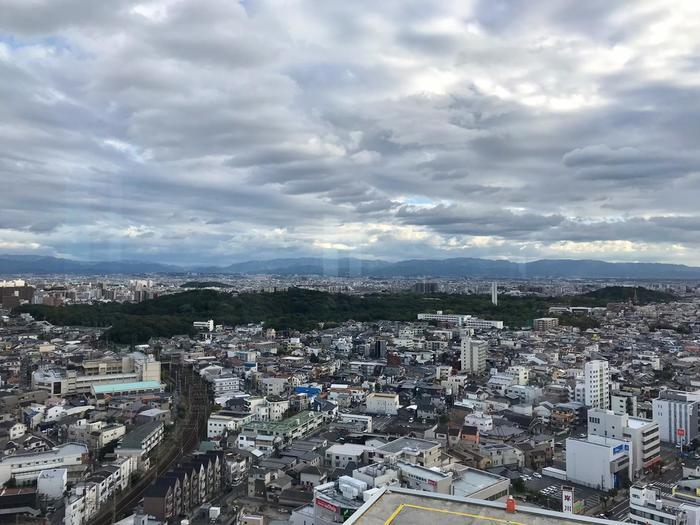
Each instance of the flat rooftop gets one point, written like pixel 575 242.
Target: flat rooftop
pixel 634 422
pixel 408 443
pixel 123 387
pixel 398 506
pixel 472 480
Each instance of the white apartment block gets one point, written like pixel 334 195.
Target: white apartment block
pixel 473 356
pixel 218 425
pixel 272 409
pixel 596 375
pixel 274 386
pixel 227 384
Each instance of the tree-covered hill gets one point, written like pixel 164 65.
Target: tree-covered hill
pixel 619 294
pixel 293 309
pixel 205 284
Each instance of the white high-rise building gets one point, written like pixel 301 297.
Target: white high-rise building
pixel 494 293
pixel 677 414
pixel 596 375
pixel 474 356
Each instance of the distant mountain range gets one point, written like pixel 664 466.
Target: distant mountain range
pixel 413 268
pixel 35 264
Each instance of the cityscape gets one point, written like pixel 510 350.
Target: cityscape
pixel 587 410
pixel 325 262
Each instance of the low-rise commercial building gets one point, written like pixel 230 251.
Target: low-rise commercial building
pixel 25 468
pixel 382 403
pixel 598 462
pixel 648 506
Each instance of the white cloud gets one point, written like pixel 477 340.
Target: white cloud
pixel 209 130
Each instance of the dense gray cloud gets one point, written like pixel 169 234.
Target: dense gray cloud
pixel 209 131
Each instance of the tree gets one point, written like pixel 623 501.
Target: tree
pixel 519 485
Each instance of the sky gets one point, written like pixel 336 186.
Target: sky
pixel 215 131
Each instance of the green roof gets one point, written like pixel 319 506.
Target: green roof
pixel 121 387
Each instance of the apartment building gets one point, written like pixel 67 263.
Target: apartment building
pixel 95 434
pixel 596 376
pixel 140 441
pixel 473 356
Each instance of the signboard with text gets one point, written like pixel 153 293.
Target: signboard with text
pixel 325 505
pixel 567 499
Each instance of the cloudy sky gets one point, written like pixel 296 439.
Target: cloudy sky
pixel 213 131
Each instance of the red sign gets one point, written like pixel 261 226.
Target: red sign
pixel 325 505
pixel 652 462
pixel 680 432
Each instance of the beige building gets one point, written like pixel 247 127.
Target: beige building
pixel 382 403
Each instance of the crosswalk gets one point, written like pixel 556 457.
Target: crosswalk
pixel 664 486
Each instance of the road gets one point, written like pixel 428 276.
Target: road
pixel 619 511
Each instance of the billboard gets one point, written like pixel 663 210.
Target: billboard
pixel 567 499
pixel 620 448
pixel 326 505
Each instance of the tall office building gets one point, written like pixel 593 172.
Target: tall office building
pixel 676 412
pixel 474 356
pixel 494 293
pixel 597 384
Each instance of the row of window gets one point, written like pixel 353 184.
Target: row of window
pixel 648 515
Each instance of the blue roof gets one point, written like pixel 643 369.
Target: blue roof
pixel 122 387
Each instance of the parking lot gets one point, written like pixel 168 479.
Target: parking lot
pixel 550 489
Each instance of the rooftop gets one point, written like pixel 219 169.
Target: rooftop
pixel 60 451
pixel 407 443
pixel 473 480
pixel 136 437
pixel 634 422
pixel 121 387
pixel 399 506
pixel 283 426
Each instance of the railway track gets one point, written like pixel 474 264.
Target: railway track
pixel 187 436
